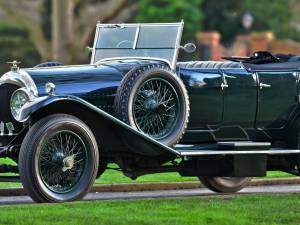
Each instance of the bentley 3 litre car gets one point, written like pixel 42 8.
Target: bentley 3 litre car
pixel 136 106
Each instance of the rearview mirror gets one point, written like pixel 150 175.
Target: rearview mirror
pixel 88 50
pixel 189 47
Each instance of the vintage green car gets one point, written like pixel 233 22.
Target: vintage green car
pixel 136 106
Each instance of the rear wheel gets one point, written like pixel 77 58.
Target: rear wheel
pixel 225 184
pixel 58 159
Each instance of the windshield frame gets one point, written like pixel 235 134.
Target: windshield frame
pixel 171 63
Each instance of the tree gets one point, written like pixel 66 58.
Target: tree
pixel 27 14
pixel 226 17
pixel 295 11
pixel 172 11
pixel 270 15
pixel 73 23
pixel 15 44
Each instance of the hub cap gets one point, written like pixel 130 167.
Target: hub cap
pixel 62 161
pixel 156 108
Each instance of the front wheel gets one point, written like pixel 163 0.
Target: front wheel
pixel 58 159
pixel 225 184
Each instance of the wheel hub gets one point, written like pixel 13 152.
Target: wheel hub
pixel 62 161
pixel 156 108
pixel 68 163
pixel 150 104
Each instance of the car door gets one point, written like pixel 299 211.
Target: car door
pixel 206 97
pixel 240 98
pixel 276 97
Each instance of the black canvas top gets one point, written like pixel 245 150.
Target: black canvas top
pixel 265 61
pixel 276 66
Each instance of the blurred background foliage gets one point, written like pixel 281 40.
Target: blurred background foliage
pixel 151 11
pixel 38 30
pixel 226 17
pixel 15 44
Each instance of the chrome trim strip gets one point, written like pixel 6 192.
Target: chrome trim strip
pixel 66 66
pixel 136 37
pixel 94 46
pixel 250 152
pixel 102 61
pixel 20 78
pixel 136 24
pixel 177 45
pixel 2 128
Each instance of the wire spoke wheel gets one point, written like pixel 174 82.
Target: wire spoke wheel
pixel 225 184
pixel 62 161
pixel 59 159
pixel 156 108
pixel 153 100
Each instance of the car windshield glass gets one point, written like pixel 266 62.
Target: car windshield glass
pixel 116 37
pixel 136 41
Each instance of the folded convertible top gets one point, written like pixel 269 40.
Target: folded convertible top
pixel 277 66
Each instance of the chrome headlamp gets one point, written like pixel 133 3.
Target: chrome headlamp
pixel 18 99
pixel 50 88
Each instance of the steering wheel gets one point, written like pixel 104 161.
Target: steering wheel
pixel 125 44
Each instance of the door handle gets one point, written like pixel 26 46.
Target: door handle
pixel 262 85
pixel 224 86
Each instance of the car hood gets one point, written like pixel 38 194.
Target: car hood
pixel 73 79
pixel 81 78
pixel 110 70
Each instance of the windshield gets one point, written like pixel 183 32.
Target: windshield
pixel 159 41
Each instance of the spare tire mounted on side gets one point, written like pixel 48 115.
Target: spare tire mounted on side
pixel 154 100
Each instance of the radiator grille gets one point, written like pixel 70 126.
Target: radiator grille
pixel 6 91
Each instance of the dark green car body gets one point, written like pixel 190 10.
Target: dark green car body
pixel 228 101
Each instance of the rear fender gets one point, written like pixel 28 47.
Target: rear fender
pixel 112 134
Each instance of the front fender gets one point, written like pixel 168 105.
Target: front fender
pixel 113 133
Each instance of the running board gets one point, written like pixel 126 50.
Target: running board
pixel 249 152
pixel 243 145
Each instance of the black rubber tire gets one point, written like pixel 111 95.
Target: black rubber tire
pixel 225 184
pixel 29 154
pixel 48 64
pixel 130 84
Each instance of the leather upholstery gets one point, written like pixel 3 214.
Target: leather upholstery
pixel 209 65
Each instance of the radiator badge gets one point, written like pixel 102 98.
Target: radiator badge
pixel 14 66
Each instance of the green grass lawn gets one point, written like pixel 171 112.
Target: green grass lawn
pixel 113 176
pixel 231 210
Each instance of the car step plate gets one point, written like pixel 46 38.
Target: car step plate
pixel 206 150
pixel 244 145
pixel 238 152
